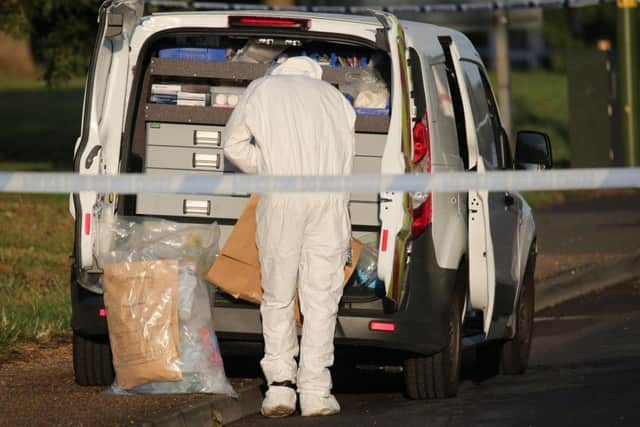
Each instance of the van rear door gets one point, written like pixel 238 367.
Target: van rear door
pixel 395 207
pixel 482 276
pixel 98 147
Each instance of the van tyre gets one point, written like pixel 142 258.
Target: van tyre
pixel 92 360
pixel 437 376
pixel 511 357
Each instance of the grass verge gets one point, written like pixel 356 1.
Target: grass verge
pixel 35 243
pixel 540 102
pixel 39 125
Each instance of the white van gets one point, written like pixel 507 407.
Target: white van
pixel 455 269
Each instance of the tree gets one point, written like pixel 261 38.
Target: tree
pixel 61 32
pixel 567 29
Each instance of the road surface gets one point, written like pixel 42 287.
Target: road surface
pixel 585 371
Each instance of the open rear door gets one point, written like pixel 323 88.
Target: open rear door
pixel 97 149
pixel 481 257
pixel 395 207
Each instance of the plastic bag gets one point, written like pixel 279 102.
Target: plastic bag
pixel 123 239
pixel 366 88
pixel 180 319
pixel 259 53
pixel 366 274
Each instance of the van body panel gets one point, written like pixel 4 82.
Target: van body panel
pixel 99 143
pixel 421 274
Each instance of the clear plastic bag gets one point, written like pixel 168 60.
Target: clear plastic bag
pixel 125 239
pixel 259 53
pixel 154 282
pixel 366 274
pixel 366 88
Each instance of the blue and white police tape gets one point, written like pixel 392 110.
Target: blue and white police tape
pixel 230 184
pixel 398 8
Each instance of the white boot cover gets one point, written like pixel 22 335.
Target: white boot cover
pixel 279 402
pixel 313 405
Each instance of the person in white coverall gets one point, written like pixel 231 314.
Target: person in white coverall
pixel 300 125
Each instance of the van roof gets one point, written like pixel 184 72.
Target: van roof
pixel 418 30
pixel 361 19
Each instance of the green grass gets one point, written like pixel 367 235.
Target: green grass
pixel 39 125
pixel 36 236
pixel 27 166
pixel 540 102
pixel 31 84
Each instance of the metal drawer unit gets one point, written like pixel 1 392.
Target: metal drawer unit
pixel 190 136
pixel 183 149
pixel 176 149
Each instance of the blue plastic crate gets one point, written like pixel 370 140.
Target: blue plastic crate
pixel 373 111
pixel 194 53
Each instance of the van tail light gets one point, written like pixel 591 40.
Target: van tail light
pixel 382 326
pixel 421 217
pixel 422 206
pixel 87 224
pixel 260 21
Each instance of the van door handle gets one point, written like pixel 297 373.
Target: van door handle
pixel 508 199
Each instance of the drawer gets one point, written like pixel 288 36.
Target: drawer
pixel 203 159
pixel 192 159
pixel 367 165
pixel 186 159
pixel 370 144
pixel 227 207
pixel 364 213
pixel 177 135
pixel 188 135
pixel 356 197
pixel 222 207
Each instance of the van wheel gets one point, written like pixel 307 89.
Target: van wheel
pixel 437 376
pixel 92 360
pixel 511 357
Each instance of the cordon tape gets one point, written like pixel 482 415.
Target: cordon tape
pixel 237 184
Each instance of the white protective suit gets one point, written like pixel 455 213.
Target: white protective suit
pixel 301 125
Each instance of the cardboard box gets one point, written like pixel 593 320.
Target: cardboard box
pixel 141 300
pixel 237 268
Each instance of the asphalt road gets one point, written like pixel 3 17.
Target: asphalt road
pixel 585 371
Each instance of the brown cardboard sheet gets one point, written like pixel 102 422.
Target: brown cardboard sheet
pixel 237 268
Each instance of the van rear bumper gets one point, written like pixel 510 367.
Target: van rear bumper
pixel 421 320
pixel 244 325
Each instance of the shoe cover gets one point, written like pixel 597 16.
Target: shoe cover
pixel 279 402
pixel 313 405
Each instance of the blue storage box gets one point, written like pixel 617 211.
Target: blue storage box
pixel 373 111
pixel 194 53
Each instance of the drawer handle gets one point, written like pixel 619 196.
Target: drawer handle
pixel 204 138
pixel 196 207
pixel 206 161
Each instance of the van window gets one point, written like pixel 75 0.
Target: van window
pixel 447 111
pixel 456 99
pixel 483 114
pixel 417 85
